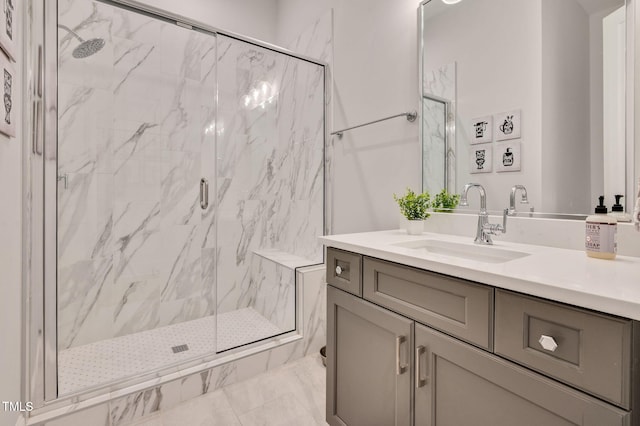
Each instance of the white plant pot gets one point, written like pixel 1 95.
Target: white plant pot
pixel 415 227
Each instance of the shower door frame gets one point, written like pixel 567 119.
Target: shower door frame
pixel 40 374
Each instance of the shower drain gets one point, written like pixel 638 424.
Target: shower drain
pixel 179 348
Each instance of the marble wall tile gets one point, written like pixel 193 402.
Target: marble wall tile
pixel 313 282
pixel 89 20
pixel 137 405
pixel 132 135
pixel 270 163
pixel 275 291
pixel 441 82
pixel 139 125
pixel 83 300
pixel 433 145
pixel 145 404
pixel 317 42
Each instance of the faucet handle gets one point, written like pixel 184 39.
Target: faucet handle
pixel 496 228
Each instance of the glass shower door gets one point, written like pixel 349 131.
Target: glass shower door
pixel 136 147
pixel 270 181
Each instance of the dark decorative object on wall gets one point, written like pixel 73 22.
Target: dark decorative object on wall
pixel 7 124
pixel 508 156
pixel 482 129
pixel 481 158
pixel 8 31
pixel 507 125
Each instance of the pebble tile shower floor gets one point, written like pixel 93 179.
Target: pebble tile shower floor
pixel 108 360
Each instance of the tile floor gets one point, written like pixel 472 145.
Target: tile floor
pixel 292 395
pixel 108 360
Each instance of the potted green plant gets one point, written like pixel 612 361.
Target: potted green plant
pixel 415 208
pixel 445 202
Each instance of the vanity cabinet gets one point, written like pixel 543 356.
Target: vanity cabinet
pixel 460 308
pixel 458 384
pixel 343 270
pixel 585 349
pixel 368 363
pixel 418 348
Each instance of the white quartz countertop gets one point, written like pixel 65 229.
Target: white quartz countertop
pixel 569 276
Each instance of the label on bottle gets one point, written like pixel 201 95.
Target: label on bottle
pixel 601 237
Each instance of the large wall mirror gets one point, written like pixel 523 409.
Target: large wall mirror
pixel 531 92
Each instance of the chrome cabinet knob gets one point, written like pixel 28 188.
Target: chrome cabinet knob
pixel 338 270
pixel 548 343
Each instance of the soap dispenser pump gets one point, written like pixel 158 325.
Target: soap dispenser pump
pixel 617 211
pixel 600 233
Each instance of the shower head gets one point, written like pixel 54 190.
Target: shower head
pixel 86 47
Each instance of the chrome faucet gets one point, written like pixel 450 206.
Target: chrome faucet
pixel 512 198
pixel 485 229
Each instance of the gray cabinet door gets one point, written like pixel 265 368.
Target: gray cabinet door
pixel 457 384
pixel 369 351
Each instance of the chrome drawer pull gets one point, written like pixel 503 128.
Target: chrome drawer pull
pixel 399 367
pixel 420 382
pixel 338 270
pixel 548 343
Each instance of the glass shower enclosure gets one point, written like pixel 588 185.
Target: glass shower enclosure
pixel 190 186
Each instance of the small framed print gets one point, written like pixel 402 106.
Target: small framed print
pixel 481 129
pixel 481 158
pixel 8 30
pixel 10 87
pixel 508 157
pixel 507 125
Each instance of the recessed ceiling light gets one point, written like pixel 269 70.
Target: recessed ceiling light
pixel 451 1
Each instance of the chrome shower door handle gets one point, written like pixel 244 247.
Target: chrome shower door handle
pixel 204 193
pixel 36 146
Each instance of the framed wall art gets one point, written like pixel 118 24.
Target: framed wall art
pixel 481 158
pixel 9 89
pixel 508 156
pixel 481 129
pixel 507 125
pixel 8 30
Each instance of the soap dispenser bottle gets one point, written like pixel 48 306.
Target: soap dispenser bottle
pixel 600 233
pixel 617 211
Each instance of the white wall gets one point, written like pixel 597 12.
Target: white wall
pixel 565 160
pixel 11 253
pixel 494 74
pixel 375 73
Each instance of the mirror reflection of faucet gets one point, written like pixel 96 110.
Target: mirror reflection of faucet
pixel 65 178
pixel 512 199
pixel 485 229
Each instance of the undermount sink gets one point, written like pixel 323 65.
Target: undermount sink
pixel 488 254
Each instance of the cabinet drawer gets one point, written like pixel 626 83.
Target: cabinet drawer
pixel 344 270
pixel 457 307
pixel 588 350
pixel 462 385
